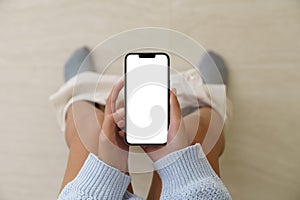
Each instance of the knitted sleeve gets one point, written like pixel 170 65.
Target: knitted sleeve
pixel 187 174
pixel 97 180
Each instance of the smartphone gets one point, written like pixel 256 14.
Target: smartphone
pixel 146 96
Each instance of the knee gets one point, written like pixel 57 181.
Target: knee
pixel 83 121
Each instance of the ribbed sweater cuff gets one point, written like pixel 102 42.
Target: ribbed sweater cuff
pixel 183 167
pixel 99 180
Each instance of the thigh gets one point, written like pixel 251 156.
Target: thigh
pixel 83 125
pixel 208 132
pixel 216 142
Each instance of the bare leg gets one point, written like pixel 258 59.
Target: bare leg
pixel 212 156
pixel 77 149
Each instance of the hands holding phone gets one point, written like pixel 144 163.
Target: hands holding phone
pixel 112 148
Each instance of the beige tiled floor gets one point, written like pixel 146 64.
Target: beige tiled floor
pixel 258 39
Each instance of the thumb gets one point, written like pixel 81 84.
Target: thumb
pixel 175 112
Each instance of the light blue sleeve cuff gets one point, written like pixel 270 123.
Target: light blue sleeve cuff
pixel 97 180
pixel 184 167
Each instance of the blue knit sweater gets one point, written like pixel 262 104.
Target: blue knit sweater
pixel 185 174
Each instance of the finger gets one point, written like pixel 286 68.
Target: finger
pixel 120 104
pixel 175 112
pixel 108 104
pixel 119 114
pixel 121 124
pixel 121 133
pixel 113 95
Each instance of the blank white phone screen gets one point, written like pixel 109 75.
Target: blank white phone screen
pixel 146 99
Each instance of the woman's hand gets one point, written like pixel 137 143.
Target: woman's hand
pixel 112 150
pixel 177 138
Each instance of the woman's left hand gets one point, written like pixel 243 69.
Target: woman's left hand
pixel 112 150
